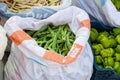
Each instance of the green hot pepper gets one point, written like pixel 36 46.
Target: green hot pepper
pixel 99 59
pixel 117 56
pixel 116 66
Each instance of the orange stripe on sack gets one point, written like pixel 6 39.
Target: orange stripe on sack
pixel 55 57
pixel 69 60
pixel 85 23
pixel 19 36
pixel 73 55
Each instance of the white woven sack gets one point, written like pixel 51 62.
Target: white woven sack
pixel 3 42
pixel 28 61
pixel 102 10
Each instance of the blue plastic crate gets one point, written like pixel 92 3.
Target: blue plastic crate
pixel 102 73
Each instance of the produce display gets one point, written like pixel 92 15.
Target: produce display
pixel 117 4
pixel 55 38
pixel 20 5
pixel 106 47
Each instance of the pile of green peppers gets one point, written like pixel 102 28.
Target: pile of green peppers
pixel 106 47
pixel 55 38
pixel 117 4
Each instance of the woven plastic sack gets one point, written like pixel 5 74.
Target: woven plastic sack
pixel 102 10
pixel 2 19
pixel 36 11
pixel 28 61
pixel 1 70
pixel 3 42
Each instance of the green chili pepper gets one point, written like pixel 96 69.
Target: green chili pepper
pixel 118 70
pixel 108 67
pixel 109 52
pixel 116 66
pixel 99 59
pixel 100 66
pixel 110 61
pixel 117 56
